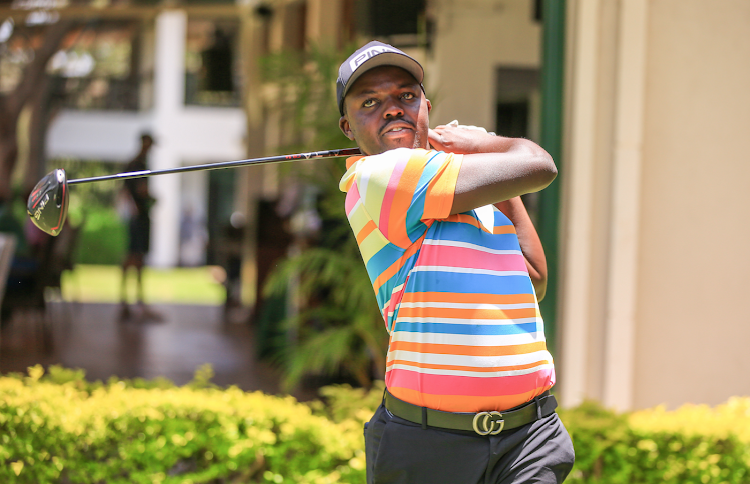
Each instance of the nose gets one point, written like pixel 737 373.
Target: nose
pixel 393 109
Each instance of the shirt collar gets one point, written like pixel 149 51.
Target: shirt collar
pixel 352 160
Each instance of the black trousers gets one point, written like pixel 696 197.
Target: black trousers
pixel 139 234
pixel 401 452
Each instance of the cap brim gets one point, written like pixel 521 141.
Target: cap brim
pixel 386 59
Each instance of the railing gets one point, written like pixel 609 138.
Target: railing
pixel 103 93
pixel 128 94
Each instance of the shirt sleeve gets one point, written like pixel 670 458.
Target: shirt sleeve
pixel 405 190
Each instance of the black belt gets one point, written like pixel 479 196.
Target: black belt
pixel 483 423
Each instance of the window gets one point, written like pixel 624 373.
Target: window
pixel 517 94
pixel 211 68
pixel 517 113
pixel 402 23
pixel 513 119
pixel 98 65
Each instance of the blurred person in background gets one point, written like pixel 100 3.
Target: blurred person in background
pixel 134 205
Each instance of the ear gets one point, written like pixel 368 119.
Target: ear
pixel 345 128
pixel 429 105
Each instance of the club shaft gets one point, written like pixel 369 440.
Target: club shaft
pixel 223 164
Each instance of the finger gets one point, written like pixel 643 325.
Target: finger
pixel 472 128
pixel 435 139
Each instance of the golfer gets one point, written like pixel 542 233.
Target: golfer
pixel 457 268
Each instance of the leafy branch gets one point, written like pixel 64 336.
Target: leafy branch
pixel 338 328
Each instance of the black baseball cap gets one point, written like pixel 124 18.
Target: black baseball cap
pixel 373 54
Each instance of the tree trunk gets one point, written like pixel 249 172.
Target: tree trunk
pixel 44 105
pixel 12 104
pixel 8 154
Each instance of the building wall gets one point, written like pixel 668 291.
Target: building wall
pixel 601 174
pixel 473 38
pixel 653 228
pixel 692 326
pixel 585 173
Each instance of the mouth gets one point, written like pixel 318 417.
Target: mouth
pixel 397 129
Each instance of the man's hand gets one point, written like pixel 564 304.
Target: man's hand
pixel 455 138
pixel 494 168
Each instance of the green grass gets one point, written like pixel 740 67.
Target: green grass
pixel 101 283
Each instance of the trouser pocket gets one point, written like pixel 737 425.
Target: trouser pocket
pixel 373 432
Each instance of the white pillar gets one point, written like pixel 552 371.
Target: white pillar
pixel 576 280
pixel 321 15
pixel 169 95
pixel 624 237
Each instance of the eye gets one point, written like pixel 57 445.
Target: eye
pixel 368 103
pixel 407 96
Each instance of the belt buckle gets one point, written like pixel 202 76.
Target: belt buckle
pixel 488 421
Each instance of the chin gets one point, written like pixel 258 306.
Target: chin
pixel 403 143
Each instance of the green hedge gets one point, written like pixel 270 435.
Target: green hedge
pixel 57 428
pixel 656 446
pixel 119 433
pixel 102 240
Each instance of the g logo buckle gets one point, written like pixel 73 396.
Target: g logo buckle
pixel 488 423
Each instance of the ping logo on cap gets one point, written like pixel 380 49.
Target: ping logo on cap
pixel 367 54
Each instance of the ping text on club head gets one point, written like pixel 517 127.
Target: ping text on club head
pixel 42 204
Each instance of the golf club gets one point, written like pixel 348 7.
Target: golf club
pixel 48 203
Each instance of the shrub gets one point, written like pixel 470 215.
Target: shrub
pixel 117 433
pixel 102 240
pixel 694 444
pixel 103 236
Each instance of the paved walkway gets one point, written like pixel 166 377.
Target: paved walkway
pixel 93 339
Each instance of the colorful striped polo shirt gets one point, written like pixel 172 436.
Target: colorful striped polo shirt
pixel 465 330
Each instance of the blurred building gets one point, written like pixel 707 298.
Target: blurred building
pixel 654 223
pixel 184 86
pixel 645 227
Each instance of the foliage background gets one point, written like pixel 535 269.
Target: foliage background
pixel 339 329
pixel 62 429
pixel 103 236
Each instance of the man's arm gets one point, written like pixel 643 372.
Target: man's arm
pixel 528 239
pixel 494 168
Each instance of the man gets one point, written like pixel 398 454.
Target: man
pixel 468 372
pixel 139 230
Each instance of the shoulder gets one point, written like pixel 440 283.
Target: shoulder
pixel 367 166
pixel 387 161
pixel 396 162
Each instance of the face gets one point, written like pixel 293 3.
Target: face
pixel 386 109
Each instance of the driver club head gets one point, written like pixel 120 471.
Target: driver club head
pixel 48 203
